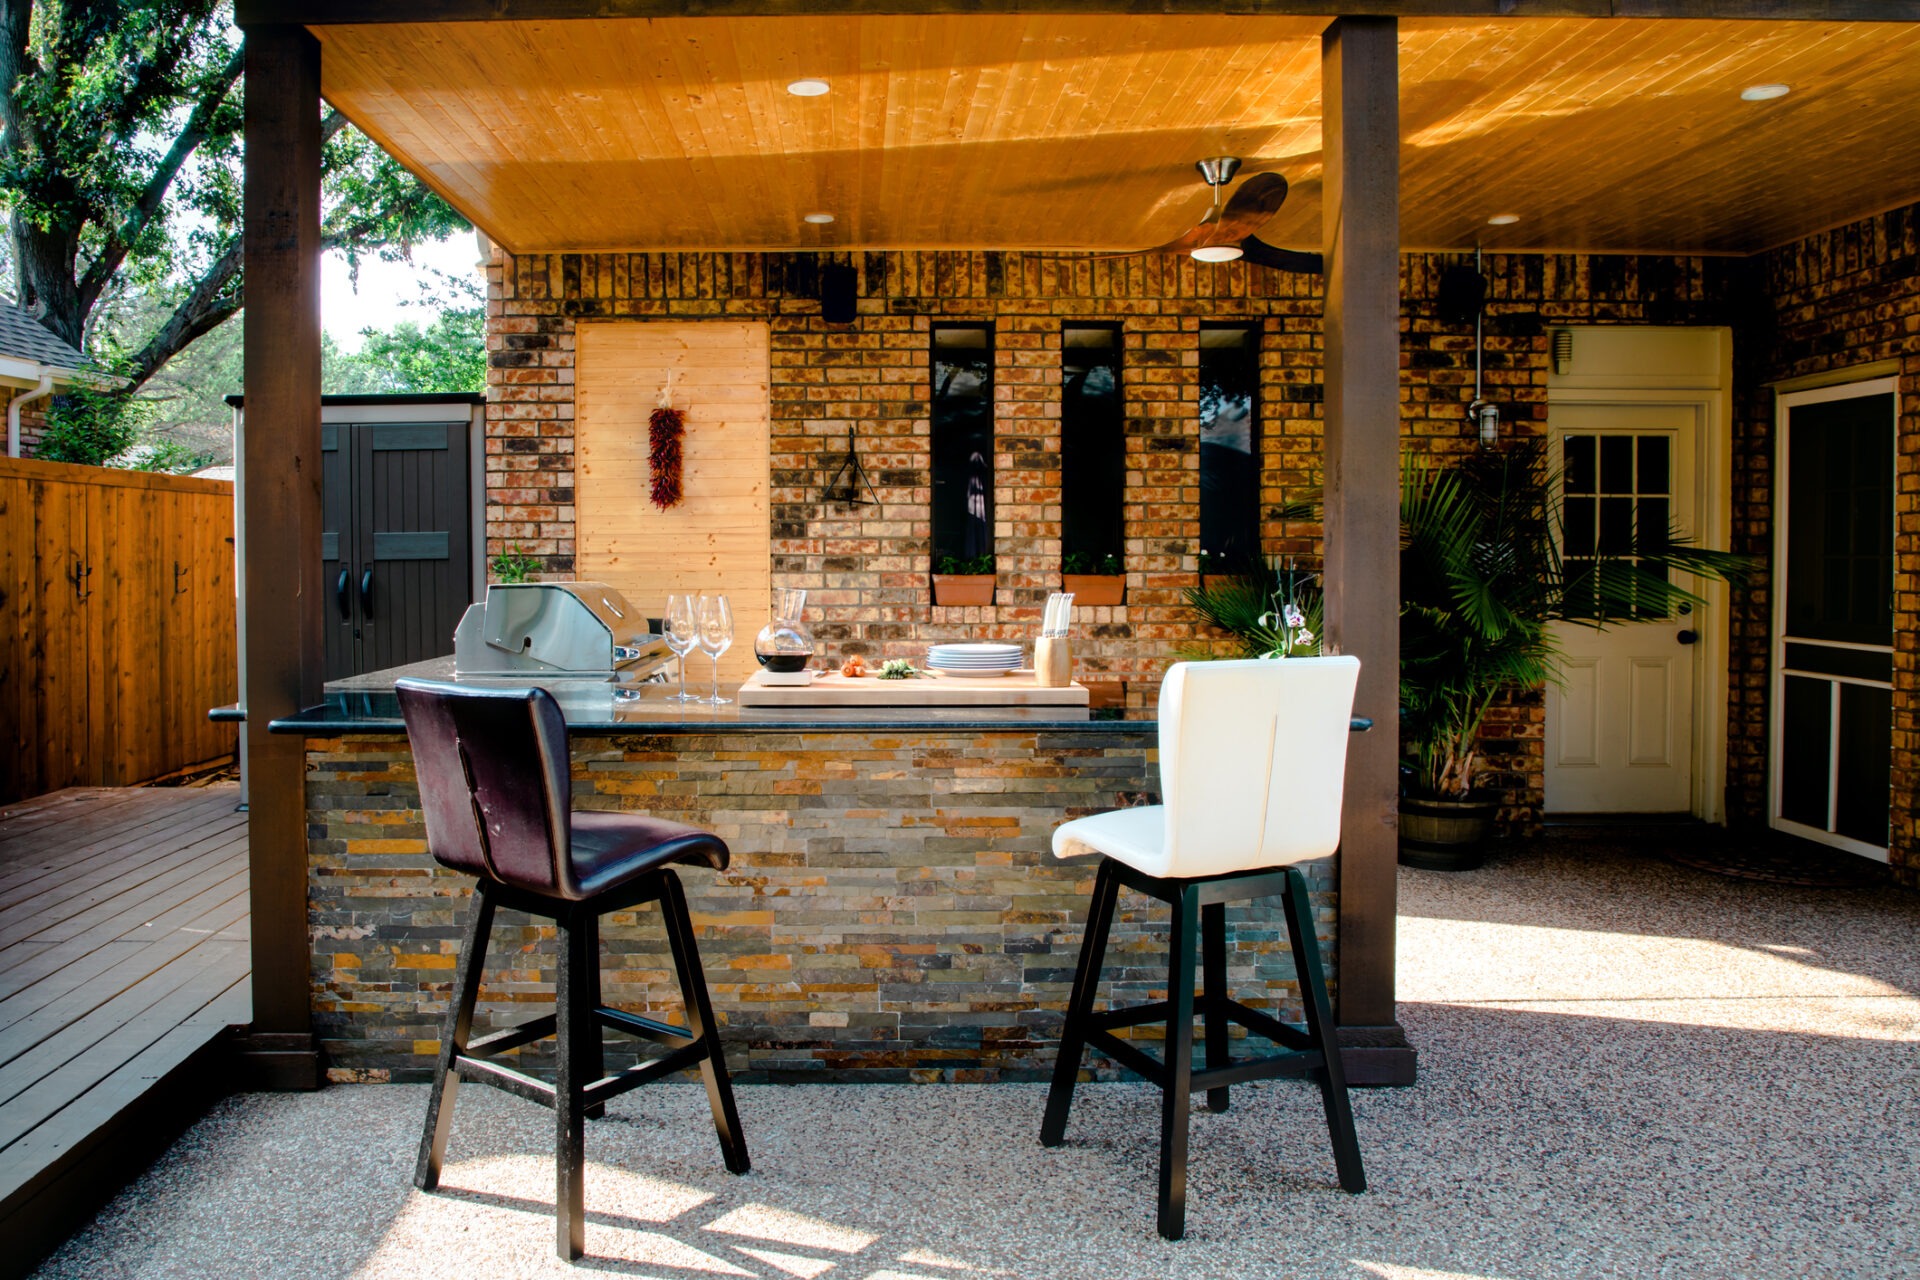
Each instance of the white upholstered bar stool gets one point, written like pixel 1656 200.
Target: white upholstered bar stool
pixel 1253 761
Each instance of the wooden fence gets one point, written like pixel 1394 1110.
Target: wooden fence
pixel 116 625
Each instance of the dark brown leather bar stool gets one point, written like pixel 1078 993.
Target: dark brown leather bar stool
pixel 1252 770
pixel 493 772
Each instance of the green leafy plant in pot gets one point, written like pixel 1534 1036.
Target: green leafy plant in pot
pixel 1483 579
pixel 963 580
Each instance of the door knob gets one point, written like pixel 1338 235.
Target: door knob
pixel 1687 637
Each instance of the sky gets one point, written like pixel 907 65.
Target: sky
pixel 385 287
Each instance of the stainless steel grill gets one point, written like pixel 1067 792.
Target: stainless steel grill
pixel 583 630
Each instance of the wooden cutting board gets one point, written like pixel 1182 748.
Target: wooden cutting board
pixel 1020 689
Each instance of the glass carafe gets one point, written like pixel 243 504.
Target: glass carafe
pixel 785 645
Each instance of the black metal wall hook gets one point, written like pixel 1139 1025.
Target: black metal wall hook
pixel 851 480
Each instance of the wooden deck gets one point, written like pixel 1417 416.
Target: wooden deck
pixel 123 961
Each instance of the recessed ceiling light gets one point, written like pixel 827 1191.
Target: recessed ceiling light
pixel 1217 253
pixel 818 219
pixel 1764 92
pixel 808 88
pixel 1503 219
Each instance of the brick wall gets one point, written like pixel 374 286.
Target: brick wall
pixel 892 911
pixel 1842 298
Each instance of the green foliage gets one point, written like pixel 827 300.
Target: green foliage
pixel 1081 562
pixel 945 565
pixel 120 170
pixel 898 669
pixel 1274 612
pixel 514 565
pixel 1481 583
pixel 91 427
pixel 448 355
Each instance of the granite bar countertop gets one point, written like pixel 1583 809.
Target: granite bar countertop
pixel 365 704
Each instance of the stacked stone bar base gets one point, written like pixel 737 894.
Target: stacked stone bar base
pixel 892 912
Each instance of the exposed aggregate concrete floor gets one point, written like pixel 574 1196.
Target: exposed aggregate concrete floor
pixel 1627 1069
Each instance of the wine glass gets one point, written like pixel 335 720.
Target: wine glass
pixel 682 628
pixel 716 634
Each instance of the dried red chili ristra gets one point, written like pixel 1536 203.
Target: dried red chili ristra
pixel 664 430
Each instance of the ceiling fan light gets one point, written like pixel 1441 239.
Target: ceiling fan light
pixel 1217 253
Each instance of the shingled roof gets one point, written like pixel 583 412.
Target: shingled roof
pixel 24 338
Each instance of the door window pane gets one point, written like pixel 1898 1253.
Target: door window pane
pixel 1629 515
pixel 1839 513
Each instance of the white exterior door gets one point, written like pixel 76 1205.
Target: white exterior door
pixel 1620 728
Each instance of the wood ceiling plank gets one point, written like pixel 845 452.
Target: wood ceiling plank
pixel 1062 131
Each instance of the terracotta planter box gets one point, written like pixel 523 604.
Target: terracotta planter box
pixel 962 588
pixel 1091 589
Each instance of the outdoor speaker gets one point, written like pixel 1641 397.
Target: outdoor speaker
pixel 1463 291
pixel 839 293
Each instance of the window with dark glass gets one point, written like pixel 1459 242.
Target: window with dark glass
pixel 1093 458
pixel 1229 447
pixel 962 427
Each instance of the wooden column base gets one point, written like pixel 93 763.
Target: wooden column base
pixel 270 1062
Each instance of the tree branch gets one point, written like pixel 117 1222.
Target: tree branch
pixel 196 131
pixel 216 296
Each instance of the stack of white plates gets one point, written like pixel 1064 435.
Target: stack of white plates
pixel 974 659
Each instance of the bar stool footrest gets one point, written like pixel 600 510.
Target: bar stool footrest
pixel 644 1073
pixel 512 1037
pixel 633 1024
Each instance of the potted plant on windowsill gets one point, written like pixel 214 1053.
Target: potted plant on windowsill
pixel 963 580
pixel 1482 581
pixel 1093 580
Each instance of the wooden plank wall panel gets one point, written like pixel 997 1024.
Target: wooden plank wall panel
pixel 718 537
pixel 107 680
pixel 1061 131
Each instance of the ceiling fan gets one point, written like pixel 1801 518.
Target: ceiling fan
pixel 1226 232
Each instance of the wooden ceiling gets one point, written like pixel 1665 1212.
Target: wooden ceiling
pixel 1077 132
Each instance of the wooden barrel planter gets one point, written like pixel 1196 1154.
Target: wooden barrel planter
pixel 1444 835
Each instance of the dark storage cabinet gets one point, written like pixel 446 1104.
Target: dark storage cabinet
pixel 397 541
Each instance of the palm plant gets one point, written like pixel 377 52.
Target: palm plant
pixel 1482 579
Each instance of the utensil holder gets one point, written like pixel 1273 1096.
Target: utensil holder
pixel 1052 662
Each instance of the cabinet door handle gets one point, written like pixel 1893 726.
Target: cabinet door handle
pixel 340 597
pixel 366 594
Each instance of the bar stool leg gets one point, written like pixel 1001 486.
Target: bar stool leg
pixel 1177 1096
pixel 453 1041
pixel 1213 962
pixel 575 1021
pixel 701 1023
pixel 593 1042
pixel 1086 984
pixel 1320 1026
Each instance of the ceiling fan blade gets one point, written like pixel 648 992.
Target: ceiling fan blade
pixel 1254 202
pixel 1250 207
pixel 1260 253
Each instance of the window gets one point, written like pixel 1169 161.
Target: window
pixel 1093 460
pixel 1229 447
pixel 962 425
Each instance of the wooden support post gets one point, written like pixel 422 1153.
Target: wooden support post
pixel 1360 109
pixel 283 629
